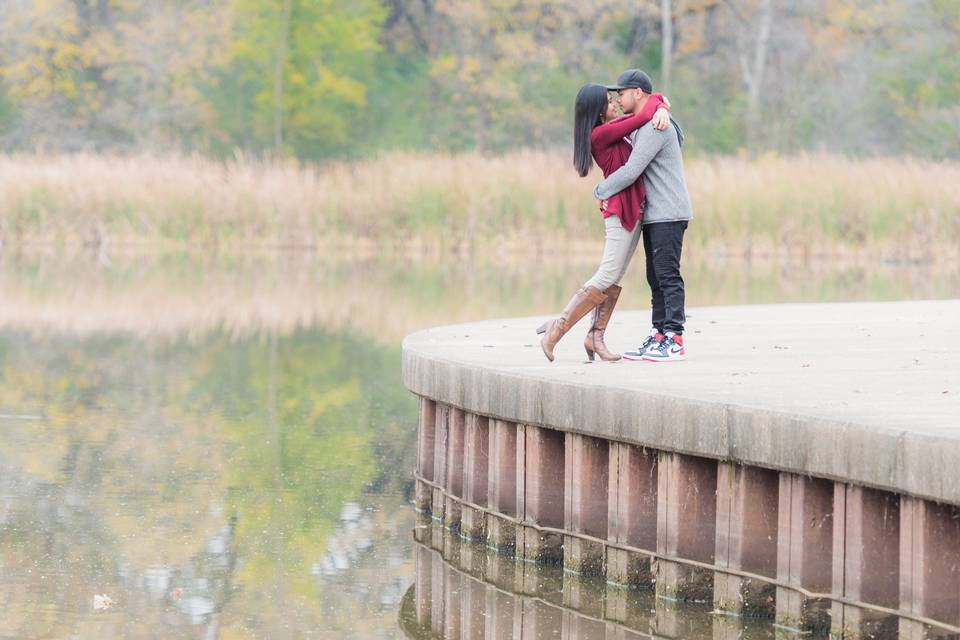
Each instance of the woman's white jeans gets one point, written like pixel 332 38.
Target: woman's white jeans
pixel 618 249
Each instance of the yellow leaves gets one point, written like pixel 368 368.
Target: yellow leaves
pixel 925 93
pixel 297 80
pixel 852 15
pixel 470 67
pixel 692 38
pixel 341 86
pixel 117 66
pixel 336 398
pixel 45 53
pixel 444 64
pixel 700 6
pixel 44 464
pixel 240 48
pixel 230 632
pixel 66 55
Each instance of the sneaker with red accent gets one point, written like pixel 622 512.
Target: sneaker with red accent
pixel 653 339
pixel 670 349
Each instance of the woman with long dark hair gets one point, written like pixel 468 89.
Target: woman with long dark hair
pixel 599 135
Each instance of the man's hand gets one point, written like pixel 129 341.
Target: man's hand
pixel 604 204
pixel 661 119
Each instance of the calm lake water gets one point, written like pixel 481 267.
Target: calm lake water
pixel 221 446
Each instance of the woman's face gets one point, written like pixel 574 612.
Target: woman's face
pixel 611 112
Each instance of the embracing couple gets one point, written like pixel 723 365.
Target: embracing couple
pixel 643 195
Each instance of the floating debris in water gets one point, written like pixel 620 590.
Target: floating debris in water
pixel 102 602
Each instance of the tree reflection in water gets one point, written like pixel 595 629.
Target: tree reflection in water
pixel 201 483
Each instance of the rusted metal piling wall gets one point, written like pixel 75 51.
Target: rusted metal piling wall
pixel 807 551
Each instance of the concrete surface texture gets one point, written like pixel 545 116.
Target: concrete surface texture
pixel 867 393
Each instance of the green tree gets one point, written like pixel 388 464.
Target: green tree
pixel 302 68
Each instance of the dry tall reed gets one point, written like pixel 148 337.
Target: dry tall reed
pixel 525 201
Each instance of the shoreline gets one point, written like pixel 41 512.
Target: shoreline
pixel 517 250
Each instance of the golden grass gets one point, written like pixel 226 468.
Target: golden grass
pixel 525 202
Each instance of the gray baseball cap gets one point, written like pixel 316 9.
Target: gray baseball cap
pixel 632 79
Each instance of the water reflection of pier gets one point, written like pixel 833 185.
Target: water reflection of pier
pixel 464 591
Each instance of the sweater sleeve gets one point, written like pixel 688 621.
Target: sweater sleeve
pixel 611 132
pixel 646 144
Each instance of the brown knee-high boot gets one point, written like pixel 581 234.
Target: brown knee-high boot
pixel 585 299
pixel 593 343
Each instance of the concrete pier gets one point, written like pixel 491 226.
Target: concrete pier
pixel 803 464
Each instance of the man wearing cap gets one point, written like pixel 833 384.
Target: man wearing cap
pixel 657 158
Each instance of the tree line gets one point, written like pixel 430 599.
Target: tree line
pixel 317 79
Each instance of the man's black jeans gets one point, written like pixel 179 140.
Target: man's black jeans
pixel 663 244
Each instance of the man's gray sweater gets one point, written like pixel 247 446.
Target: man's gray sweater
pixel 656 155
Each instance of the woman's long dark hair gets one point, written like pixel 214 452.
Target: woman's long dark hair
pixel 587 112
